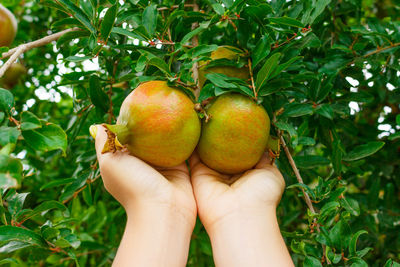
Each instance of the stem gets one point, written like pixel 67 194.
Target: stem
pixel 252 79
pixel 381 49
pixel 297 173
pixel 195 42
pixel 174 6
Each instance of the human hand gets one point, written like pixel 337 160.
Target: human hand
pixel 160 207
pixel 238 212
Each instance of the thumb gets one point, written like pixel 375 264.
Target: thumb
pixel 99 134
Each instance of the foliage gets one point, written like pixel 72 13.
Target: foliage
pixel 327 70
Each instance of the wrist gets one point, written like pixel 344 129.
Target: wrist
pixel 241 216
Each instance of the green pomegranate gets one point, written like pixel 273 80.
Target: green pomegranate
pixel 236 136
pixel 12 75
pixel 158 124
pixel 8 27
pixel 224 52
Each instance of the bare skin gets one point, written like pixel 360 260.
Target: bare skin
pixel 160 203
pixel 160 207
pixel 239 215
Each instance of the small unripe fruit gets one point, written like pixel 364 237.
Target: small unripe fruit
pixel 158 124
pixel 12 75
pixel 8 27
pixel 224 52
pixel 236 136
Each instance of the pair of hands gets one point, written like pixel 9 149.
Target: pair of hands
pixel 169 199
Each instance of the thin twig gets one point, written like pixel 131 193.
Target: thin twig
pixel 297 173
pixel 381 49
pixel 252 79
pixel 174 7
pixel 195 42
pixel 38 43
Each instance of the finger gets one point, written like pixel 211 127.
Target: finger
pixel 100 140
pixel 264 162
pixel 199 168
pixel 204 179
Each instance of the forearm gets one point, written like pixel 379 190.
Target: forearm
pixel 154 238
pixel 252 239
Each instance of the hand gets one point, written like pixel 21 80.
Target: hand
pixel 160 206
pixel 238 213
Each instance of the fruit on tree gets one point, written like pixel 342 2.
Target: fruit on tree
pixel 12 75
pixel 158 124
pixel 223 52
pixel 8 27
pixel 236 136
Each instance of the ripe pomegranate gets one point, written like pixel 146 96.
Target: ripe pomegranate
pixel 236 136
pixel 158 124
pixel 8 27
pixel 224 52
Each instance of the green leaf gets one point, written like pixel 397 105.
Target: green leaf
pixel 310 161
pixel 6 100
pixel 261 51
pixel 286 127
pixel 98 97
pixel 78 14
pixel 191 34
pixel 351 205
pixel 219 9
pixel 353 242
pixel 9 261
pixel 29 121
pixel 160 64
pixel 287 21
pixel 282 67
pixel 320 6
pixel 310 261
pixel 398 119
pixel 297 110
pixel 305 187
pixel 77 58
pixel 325 110
pixel 268 67
pixel 108 22
pixel 8 135
pixel 340 235
pixel 134 33
pixel 12 233
pixel 363 151
pixel 149 19
pixel 57 183
pixel 45 206
pixel 49 137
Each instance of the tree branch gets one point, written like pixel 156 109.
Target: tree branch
pixel 297 173
pixel 381 49
pixel 21 49
pixel 195 42
pixel 17 51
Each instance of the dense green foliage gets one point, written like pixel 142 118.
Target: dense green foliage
pixel 311 61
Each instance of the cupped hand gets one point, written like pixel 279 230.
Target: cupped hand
pixel 138 185
pixel 220 196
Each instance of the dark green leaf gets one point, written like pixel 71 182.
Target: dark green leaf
pixel 310 161
pixel 6 100
pixel 98 97
pixel 149 19
pixel 363 151
pixel 268 67
pixel 108 22
pixel 287 21
pixel 49 137
pixel 29 121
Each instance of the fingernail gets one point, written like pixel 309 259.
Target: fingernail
pixel 93 131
